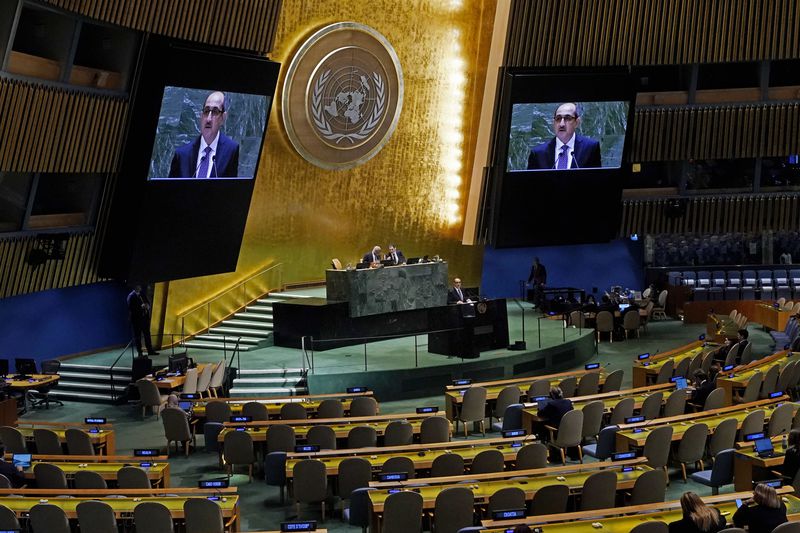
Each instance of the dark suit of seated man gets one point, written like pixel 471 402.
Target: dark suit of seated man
pixel 13 473
pixel 212 154
pixel 567 150
pixel 372 257
pixel 704 387
pixel 553 411
pixel 395 255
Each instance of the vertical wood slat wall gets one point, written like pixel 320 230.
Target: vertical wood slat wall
pixel 728 214
pixel 242 24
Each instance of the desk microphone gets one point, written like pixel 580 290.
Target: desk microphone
pixel 198 165
pixel 574 161
pixel 214 165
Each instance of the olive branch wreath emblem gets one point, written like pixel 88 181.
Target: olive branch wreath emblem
pixel 367 128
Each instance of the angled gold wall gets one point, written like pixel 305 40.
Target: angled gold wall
pixel 302 216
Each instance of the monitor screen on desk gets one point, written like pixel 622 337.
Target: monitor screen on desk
pixel 178 363
pixel 25 366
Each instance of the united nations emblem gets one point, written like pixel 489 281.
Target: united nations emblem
pixel 342 95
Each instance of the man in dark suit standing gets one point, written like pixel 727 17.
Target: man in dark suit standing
pixel 455 295
pixel 395 255
pixel 538 280
pixel 139 311
pixel 212 154
pixel 567 150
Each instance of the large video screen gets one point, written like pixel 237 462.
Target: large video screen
pixel 208 134
pixel 593 133
pixel 560 157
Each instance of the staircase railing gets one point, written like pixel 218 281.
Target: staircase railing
pixel 111 368
pixel 201 318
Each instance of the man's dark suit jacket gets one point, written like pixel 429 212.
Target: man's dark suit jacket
pixel 11 472
pixel 452 296
pixel 368 258
pixel 225 165
pixel 701 393
pixel 586 154
pixel 401 259
pixel 554 411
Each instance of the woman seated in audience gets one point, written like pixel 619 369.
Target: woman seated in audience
pixel 763 513
pixel 697 516
pixel 791 461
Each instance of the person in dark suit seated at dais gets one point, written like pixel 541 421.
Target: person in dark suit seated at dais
pixel 212 154
pixel 372 257
pixel 395 255
pixel 567 150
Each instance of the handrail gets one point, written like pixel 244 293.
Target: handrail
pixel 228 290
pixel 111 368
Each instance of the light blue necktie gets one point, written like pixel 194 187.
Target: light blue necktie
pixel 202 172
pixel 563 163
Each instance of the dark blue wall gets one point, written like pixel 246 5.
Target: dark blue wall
pixel 49 324
pixel 583 266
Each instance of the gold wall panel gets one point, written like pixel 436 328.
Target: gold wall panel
pixel 242 24
pixel 651 32
pixel 713 215
pixel 302 216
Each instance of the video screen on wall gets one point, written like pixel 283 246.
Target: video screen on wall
pixel 208 134
pixel 561 157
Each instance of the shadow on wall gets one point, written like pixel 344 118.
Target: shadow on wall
pixel 48 324
pixel 585 266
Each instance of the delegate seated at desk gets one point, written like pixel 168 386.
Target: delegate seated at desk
pixel 741 340
pixel 553 410
pixel 13 473
pixel 704 387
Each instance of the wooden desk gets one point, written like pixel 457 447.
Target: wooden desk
pixel 36 381
pixel 158 473
pixel 624 519
pixel 743 373
pixel 104 440
pixel 628 438
pixel 645 372
pixel 772 318
pixel 310 402
pixel 172 382
pixel 454 395
pixel 749 467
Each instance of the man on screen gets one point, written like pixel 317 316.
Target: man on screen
pixel 567 150
pixel 212 154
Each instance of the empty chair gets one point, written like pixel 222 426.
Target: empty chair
pixel 322 436
pixel 589 384
pixel 293 411
pixel 362 437
pixel 785 377
pixel 730 358
pixel 651 526
pixel 675 404
pixel 78 442
pixel 359 512
pixel 770 381
pixel 508 396
pixel 453 510
pixel 204 379
pixel 473 409
pixel 592 419
pixel 448 464
pixel 577 319
pixel 153 517
pixel 487 461
pixel 747 354
pixel 751 390
pixel 218 411
pixel 354 473
pixel 310 483
pixel 275 471
pixel 715 400
pixel 88 479
pixel 656 448
pixel 551 499
pixel 176 428
pixel 659 311
pixel 682 368
pixel 238 450
pixel 651 407
pixel 621 411
pixel 434 429
pixel 330 408
pixel 606 442
pixel 132 477
pixel 507 498
pixel 96 517
pixel 217 381
pixel 568 386
pixel 399 464
pixel 650 487
pixel 692 447
pixel 8 520
pixel 280 438
pixel 203 516
pixel 363 406
pixel 402 512
pixel 47 442
pixel 631 322
pixel 613 381
pixel 50 518
pixel 780 421
pixel 149 396
pixel 788 527
pixel 695 363
pixel 540 387
pixel 257 411
pixel 665 372
pixel 531 456
pixel 752 423
pixel 13 440
pixel 569 434
pixel 190 383
pixel 398 433
pixel 599 491
pixel 723 438
pixel 49 476
pixel 512 418
pixel 605 324
pixel 720 474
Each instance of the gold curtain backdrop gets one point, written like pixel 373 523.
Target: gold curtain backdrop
pixel 412 194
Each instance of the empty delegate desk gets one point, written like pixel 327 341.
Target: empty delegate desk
pixel 646 366
pixel 310 402
pixel 737 379
pixel 103 438
pixel 750 465
pixel 157 466
pixel 772 316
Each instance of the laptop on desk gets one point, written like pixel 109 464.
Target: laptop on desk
pixel 22 460
pixel 763 448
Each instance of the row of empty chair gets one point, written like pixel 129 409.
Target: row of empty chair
pixel 764 284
